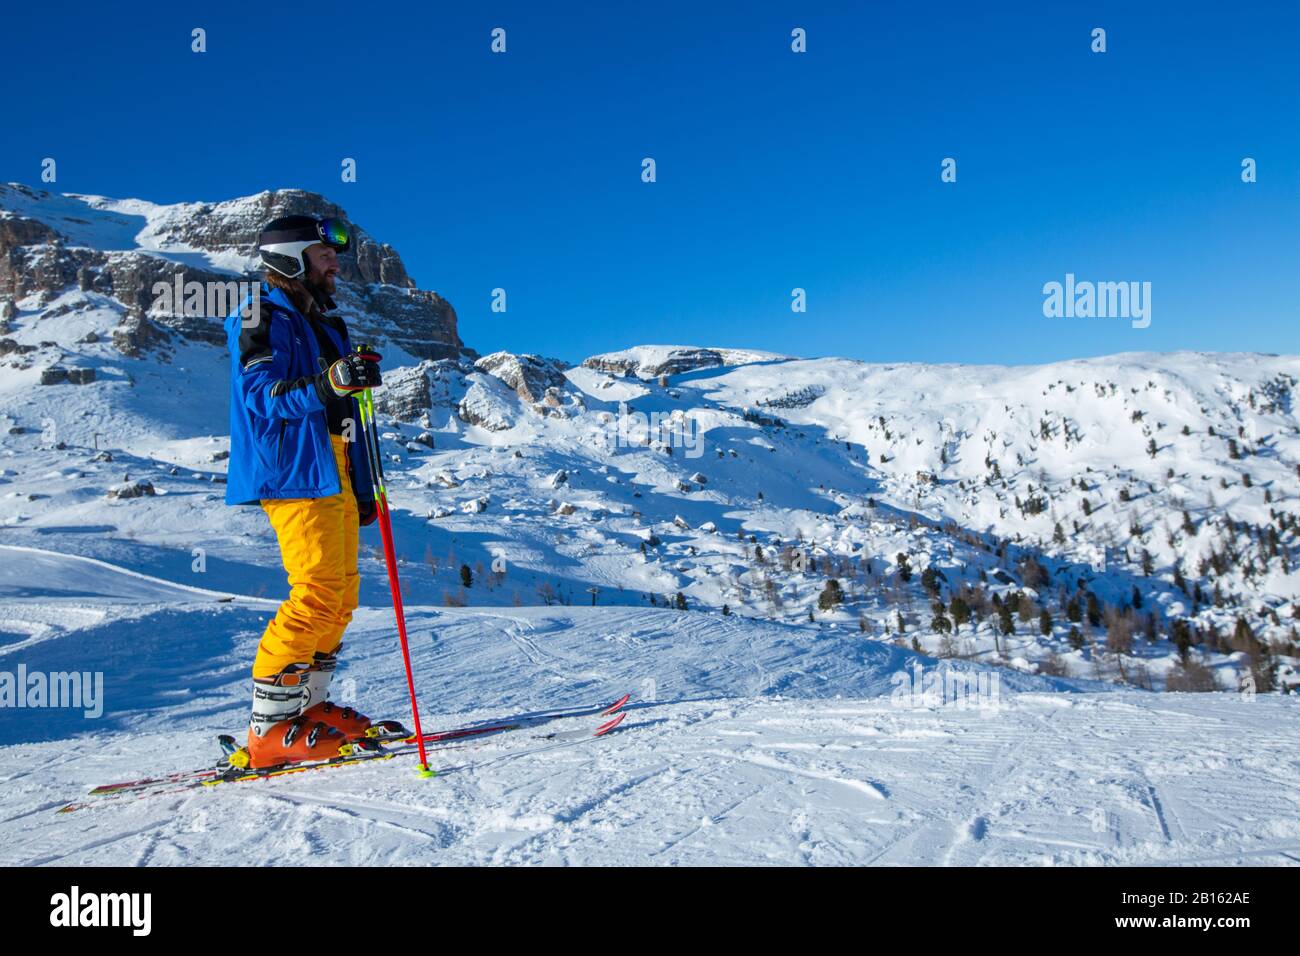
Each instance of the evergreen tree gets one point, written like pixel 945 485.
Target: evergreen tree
pixel 1180 632
pixel 1094 611
pixel 960 611
pixel 831 595
pixel 930 579
pixel 1242 636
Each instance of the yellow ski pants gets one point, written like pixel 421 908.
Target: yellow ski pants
pixel 318 546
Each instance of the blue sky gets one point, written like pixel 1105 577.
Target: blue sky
pixel 775 170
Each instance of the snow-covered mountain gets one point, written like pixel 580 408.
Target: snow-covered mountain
pixel 1163 486
pixel 753 528
pixel 115 253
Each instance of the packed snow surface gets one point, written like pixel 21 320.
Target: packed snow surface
pixel 747 742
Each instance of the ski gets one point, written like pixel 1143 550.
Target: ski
pixel 382 731
pixel 600 731
pixel 371 749
pixel 235 775
pixel 127 786
pixel 390 731
pixel 523 721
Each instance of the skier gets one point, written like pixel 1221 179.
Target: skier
pixel 292 419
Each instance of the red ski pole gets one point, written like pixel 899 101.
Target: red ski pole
pixel 367 405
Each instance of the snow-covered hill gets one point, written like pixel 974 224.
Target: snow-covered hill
pixel 747 486
pixel 769 542
pixel 1163 486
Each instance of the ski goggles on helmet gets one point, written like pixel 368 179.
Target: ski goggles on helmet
pixel 334 233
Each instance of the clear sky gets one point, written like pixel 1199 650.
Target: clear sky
pixel 775 170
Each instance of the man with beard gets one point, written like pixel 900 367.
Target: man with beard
pixel 293 418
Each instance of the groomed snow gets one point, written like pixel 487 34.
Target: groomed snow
pixel 746 743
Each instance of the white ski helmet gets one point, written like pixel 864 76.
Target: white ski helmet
pixel 283 242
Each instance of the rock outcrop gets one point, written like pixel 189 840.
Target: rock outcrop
pixel 531 376
pixel 49 243
pixel 487 405
pixel 140 488
pixel 57 374
pixel 653 361
pixel 405 393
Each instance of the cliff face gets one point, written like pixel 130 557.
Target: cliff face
pixel 123 248
pixel 652 361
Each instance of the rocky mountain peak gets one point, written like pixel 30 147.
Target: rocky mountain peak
pixel 233 227
pixel 50 243
pixel 653 361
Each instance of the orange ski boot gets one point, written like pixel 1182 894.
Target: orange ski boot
pixel 345 720
pixel 293 741
pixel 278 731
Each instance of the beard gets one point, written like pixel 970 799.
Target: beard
pixel 322 283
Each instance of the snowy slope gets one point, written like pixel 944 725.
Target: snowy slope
pixel 749 743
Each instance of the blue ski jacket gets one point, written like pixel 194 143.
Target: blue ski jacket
pixel 279 433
